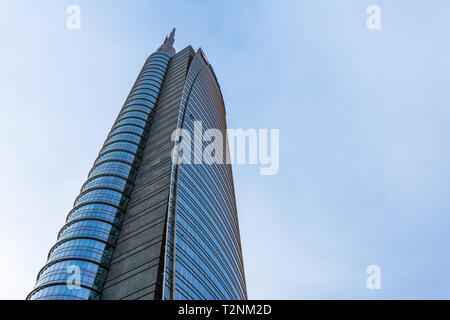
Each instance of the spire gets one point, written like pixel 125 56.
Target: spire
pixel 167 46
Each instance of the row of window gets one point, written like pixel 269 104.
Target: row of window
pixel 131 137
pixel 130 121
pixel 108 182
pixel 82 249
pixel 101 211
pixel 144 94
pixel 91 229
pixel 136 107
pixel 128 128
pixel 62 292
pixel 103 195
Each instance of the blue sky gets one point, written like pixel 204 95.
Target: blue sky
pixel 364 132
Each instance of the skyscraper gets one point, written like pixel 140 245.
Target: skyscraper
pixel 144 227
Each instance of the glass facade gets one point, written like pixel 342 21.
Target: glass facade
pixel 86 242
pixel 204 257
pixel 143 227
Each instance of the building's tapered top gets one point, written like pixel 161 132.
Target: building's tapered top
pixel 167 46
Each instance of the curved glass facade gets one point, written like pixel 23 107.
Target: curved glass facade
pixel 87 241
pixel 203 251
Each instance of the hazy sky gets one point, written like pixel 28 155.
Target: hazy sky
pixel 364 132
